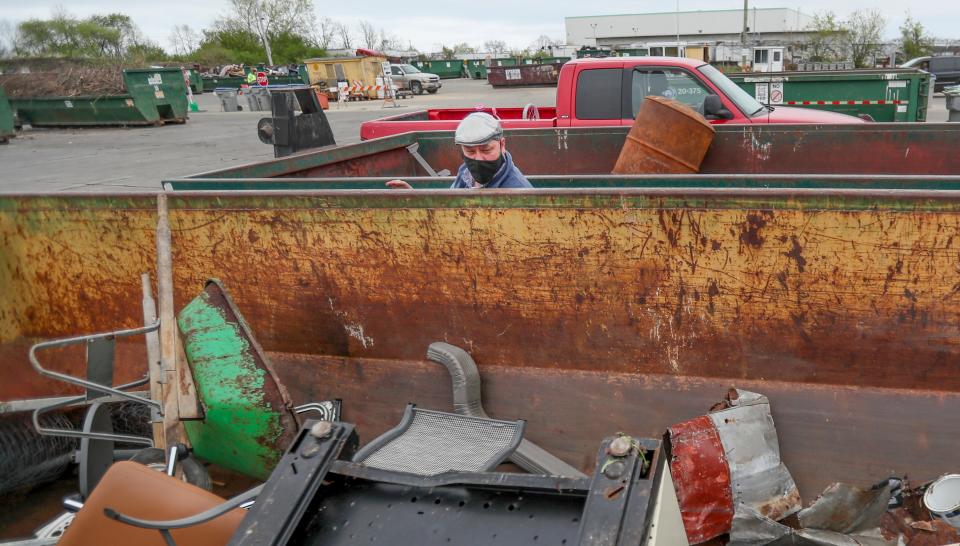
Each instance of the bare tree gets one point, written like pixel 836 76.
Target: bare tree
pixel 275 16
pixel 389 41
pixel 368 34
pixel 7 35
pixel 184 40
pixel 865 34
pixel 324 32
pixel 463 47
pixel 344 37
pixel 543 42
pixel 495 46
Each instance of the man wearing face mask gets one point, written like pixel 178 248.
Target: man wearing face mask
pixel 486 161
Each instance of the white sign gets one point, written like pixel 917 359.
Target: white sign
pixel 512 73
pixel 156 79
pixel 898 83
pixel 762 92
pixel 776 93
pixel 68 104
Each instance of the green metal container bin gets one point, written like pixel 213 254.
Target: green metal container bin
pixel 196 81
pixel 896 94
pixel 6 118
pixel 504 61
pixel 476 68
pixel 154 96
pixel 445 69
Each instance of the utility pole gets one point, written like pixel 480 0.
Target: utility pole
pixel 743 37
pixel 263 28
pixel 678 29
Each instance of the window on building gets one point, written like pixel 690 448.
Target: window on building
pixel 776 56
pixel 338 68
pixel 761 56
pixel 598 93
pixel 672 83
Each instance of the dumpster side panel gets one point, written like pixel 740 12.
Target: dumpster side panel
pixel 894 95
pixel 85 111
pixel 526 74
pixel 6 118
pixel 587 311
pixel 889 149
pixel 159 89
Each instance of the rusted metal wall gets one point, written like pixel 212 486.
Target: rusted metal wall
pixel 593 310
pixel 524 74
pixel 881 148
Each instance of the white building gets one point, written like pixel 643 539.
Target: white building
pixel 713 35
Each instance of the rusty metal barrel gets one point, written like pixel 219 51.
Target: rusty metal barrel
pixel 668 137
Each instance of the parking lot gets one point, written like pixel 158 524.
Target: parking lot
pixel 136 159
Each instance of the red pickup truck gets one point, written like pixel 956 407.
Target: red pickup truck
pixel 603 92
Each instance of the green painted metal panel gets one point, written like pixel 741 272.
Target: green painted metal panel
pixel 446 69
pixel 154 96
pixel 476 68
pixel 903 92
pixel 196 81
pixel 246 424
pixel 6 118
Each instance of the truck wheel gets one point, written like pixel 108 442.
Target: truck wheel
pixel 416 88
pixel 432 91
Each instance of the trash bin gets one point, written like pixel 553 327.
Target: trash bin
pixel 253 104
pixel 952 94
pixel 262 95
pixel 228 99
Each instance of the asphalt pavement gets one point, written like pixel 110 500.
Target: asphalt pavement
pixel 136 159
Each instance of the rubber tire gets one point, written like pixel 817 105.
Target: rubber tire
pixel 195 472
pixel 432 91
pixel 416 88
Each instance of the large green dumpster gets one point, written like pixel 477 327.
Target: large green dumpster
pixel 898 94
pixel 446 69
pixel 154 96
pixel 6 118
pixel 504 61
pixel 196 82
pixel 476 68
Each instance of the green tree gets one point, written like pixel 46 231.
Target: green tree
pixel 914 40
pixel 865 36
pixel 827 43
pixel 98 36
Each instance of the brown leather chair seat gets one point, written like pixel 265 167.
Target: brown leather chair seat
pixel 137 491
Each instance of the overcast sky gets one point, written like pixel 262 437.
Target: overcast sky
pixel 430 23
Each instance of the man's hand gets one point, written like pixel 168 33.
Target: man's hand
pixel 398 185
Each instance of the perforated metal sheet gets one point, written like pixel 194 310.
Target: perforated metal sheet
pixel 439 442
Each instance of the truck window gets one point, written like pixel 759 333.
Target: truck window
pixel 672 83
pixel 598 93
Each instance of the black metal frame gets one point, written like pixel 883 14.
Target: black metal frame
pixel 614 507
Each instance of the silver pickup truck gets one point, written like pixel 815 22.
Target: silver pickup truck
pixel 407 76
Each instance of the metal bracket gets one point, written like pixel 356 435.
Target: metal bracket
pixel 414 151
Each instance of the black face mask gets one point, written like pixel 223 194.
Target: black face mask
pixel 481 170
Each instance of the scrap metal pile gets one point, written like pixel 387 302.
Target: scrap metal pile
pixel 70 81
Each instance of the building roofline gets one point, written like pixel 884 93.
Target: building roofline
pixel 674 12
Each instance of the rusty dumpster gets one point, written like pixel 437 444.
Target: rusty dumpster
pixel 588 309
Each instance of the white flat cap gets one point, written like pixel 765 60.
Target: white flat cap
pixel 477 128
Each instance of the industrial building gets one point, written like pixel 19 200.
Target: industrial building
pixel 711 35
